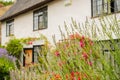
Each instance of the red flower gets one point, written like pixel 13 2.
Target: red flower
pixel 30 42
pixel 66 76
pixel 79 78
pixel 72 74
pixel 77 36
pixel 57 76
pixel 57 53
pixel 72 36
pixel 82 45
pixel 90 63
pixel 85 55
pixel 91 43
pixel 83 37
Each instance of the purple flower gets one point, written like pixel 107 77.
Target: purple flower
pixel 4 53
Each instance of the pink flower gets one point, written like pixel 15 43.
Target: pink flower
pixel 90 51
pixel 72 36
pixel 90 63
pixel 91 43
pixel 83 37
pixel 85 55
pixel 30 42
pixel 57 53
pixel 82 44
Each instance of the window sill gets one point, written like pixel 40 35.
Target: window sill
pixel 105 15
pixel 40 29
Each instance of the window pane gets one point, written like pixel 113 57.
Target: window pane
pixel 99 7
pixel 94 6
pixel 7 31
pixel 10 28
pixel 117 3
pixel 105 6
pixel 41 21
pixel 36 23
pixel 36 52
pixel 45 19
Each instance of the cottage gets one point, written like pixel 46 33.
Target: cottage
pixel 29 18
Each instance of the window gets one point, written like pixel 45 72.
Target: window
pixel 40 19
pixel 100 7
pixel 38 52
pixel 10 28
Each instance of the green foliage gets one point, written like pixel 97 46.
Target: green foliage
pixel 6 3
pixel 14 47
pixel 5 67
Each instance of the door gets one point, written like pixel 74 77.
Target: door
pixel 28 57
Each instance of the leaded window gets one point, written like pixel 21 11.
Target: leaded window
pixel 40 19
pixel 10 28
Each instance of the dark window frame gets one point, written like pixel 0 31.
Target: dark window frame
pixel 40 47
pixel 40 12
pixel 9 26
pixel 110 10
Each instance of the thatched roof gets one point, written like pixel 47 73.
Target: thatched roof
pixel 4 9
pixel 22 6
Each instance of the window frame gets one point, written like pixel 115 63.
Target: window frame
pixel 109 9
pixel 40 12
pixel 38 55
pixel 9 23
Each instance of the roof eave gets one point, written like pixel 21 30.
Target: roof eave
pixel 26 10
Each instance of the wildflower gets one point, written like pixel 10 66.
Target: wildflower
pixel 72 74
pixel 72 36
pixel 90 63
pixel 66 76
pixel 82 45
pixel 57 53
pixel 90 51
pixel 83 38
pixel 77 36
pixel 30 42
pixel 57 76
pixel 91 43
pixel 4 53
pixel 85 55
pixel 79 78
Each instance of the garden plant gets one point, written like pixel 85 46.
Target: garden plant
pixel 88 51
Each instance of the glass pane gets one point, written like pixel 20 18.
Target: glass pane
pixel 7 31
pixel 36 23
pixel 99 2
pixel 11 29
pixel 94 8
pixel 105 8
pixel 117 3
pixel 99 7
pixel 45 19
pixel 36 52
pixel 41 22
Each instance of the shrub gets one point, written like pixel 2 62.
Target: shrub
pixel 14 47
pixel 6 64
